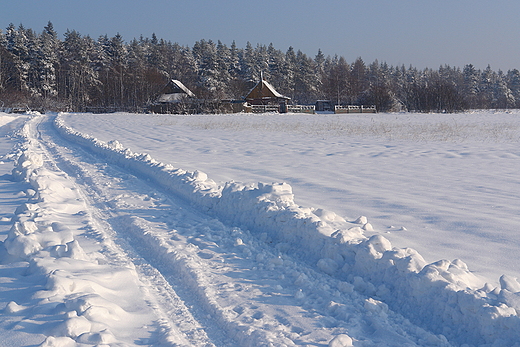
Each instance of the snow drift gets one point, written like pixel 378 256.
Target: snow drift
pixel 439 296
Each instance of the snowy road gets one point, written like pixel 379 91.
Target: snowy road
pixel 224 287
pixel 212 287
pixel 121 250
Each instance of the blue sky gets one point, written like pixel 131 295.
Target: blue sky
pixel 420 33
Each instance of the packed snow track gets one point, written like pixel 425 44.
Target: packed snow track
pixel 111 247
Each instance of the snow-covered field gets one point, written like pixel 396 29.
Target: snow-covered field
pixel 260 230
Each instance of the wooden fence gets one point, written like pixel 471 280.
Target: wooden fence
pixel 354 109
pixel 301 109
pixel 265 108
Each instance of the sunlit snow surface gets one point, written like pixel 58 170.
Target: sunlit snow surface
pixel 251 230
pixel 447 185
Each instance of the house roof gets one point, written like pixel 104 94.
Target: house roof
pixel 174 91
pixel 264 90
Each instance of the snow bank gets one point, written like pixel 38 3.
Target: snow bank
pixel 81 295
pixel 441 296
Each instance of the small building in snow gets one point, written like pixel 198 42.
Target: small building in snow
pixel 175 97
pixel 324 106
pixel 263 94
pixel 174 91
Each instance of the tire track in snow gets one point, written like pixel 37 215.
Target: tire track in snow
pixel 174 318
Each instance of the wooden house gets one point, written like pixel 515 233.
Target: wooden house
pixel 174 91
pixel 264 94
pixel 175 97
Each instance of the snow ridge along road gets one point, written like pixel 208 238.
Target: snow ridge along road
pixel 129 251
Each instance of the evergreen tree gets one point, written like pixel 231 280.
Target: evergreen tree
pixel 48 62
pixel 288 72
pixel 247 64
pixel 378 92
pixel 78 72
pixel 205 53
pixel 79 78
pixel 117 55
pixel 17 45
pixel 319 66
pixel 223 71
pixel 358 81
pixel 9 73
pixel 276 64
pixel 336 86
pixel 486 88
pixel 238 86
pixel 513 82
pixel 471 78
pixel 136 84
pixel 503 96
pixel 305 79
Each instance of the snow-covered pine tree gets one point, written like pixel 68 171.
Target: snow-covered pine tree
pixel 79 79
pixel 17 45
pixel 305 79
pixel 471 89
pixel 486 88
pixel 205 53
pixel 247 63
pixel 336 81
pixel 513 82
pixel 358 80
pixel 319 66
pixel 47 62
pixel 503 96
pixel 117 55
pixel 223 71
pixel 275 66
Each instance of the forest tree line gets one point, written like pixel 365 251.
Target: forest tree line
pixel 42 71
